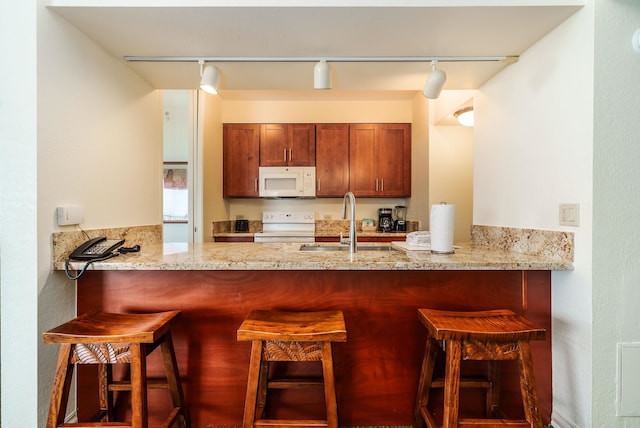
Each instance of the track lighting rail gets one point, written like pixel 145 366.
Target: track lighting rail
pixel 508 59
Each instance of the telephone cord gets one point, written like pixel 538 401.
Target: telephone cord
pixel 67 271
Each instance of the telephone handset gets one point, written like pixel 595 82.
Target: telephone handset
pixel 96 248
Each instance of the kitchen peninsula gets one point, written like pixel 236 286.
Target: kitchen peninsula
pixel 217 284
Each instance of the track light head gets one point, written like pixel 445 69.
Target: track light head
pixel 210 78
pixel 322 75
pixel 435 82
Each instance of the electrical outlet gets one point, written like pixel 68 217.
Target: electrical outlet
pixel 570 215
pixel 69 215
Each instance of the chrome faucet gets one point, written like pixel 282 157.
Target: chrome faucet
pixel 352 225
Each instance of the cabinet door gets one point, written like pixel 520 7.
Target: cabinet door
pixel 393 159
pixel 274 142
pixel 380 160
pixel 332 159
pixel 302 144
pixel 240 160
pixel 287 144
pixel 362 155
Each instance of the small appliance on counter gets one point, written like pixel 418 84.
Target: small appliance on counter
pixel 385 220
pixel 400 224
pixel 242 226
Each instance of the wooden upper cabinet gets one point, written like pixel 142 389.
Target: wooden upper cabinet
pixel 371 160
pixel 380 159
pixel 241 145
pixel 332 159
pixel 290 144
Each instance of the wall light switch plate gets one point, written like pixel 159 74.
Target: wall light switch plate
pixel 69 215
pixel 570 215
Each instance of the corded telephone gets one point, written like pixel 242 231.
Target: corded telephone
pixel 96 248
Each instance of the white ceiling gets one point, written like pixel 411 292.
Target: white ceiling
pixel 211 28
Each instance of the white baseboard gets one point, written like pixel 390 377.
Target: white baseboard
pixel 559 421
pixel 72 418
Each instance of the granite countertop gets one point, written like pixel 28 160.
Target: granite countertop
pixel 321 234
pixel 287 256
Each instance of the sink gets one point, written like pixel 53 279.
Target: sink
pixel 334 247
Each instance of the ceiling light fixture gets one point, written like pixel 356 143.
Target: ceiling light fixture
pixel 435 82
pixel 464 116
pixel 209 77
pixel 322 75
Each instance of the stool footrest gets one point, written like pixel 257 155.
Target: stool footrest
pixel 464 383
pixel 290 423
pixel 125 385
pixel 96 424
pixel 493 423
pixel 294 383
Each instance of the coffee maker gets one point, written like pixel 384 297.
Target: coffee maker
pixel 385 220
pixel 400 225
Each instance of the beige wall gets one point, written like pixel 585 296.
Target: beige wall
pixel 214 207
pixel 99 146
pixel 409 110
pixel 290 111
pixel 451 174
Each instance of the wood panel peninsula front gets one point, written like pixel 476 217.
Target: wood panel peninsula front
pixel 216 285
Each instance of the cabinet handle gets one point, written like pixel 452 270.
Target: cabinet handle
pixel 376 184
pixel 382 186
pixel 318 184
pixel 290 157
pixel 284 158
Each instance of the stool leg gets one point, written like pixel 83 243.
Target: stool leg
pixel 105 378
pixel 424 382
pixel 528 386
pixel 329 386
pixel 263 385
pixel 252 384
pixel 61 385
pixel 173 378
pixel 452 384
pixel 493 393
pixel 139 410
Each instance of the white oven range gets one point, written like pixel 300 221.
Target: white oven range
pixel 287 226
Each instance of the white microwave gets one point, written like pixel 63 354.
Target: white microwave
pixel 287 181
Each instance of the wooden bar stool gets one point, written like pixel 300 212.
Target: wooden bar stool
pixel 106 339
pixel 290 336
pixel 487 335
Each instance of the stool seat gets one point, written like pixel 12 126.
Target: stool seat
pixel 325 326
pixel 497 325
pixel 110 338
pixel 494 336
pixel 290 336
pixel 98 327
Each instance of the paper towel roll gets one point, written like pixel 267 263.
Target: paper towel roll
pixel 442 222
